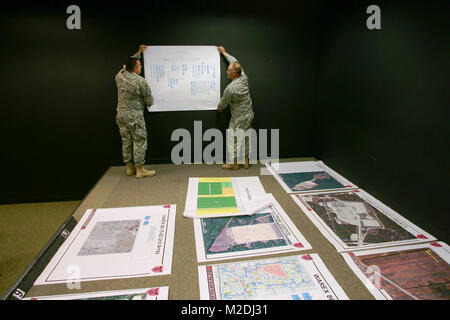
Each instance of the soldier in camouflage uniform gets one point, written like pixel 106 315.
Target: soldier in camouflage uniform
pixel 237 95
pixel 133 96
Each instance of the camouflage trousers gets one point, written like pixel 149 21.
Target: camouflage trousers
pixel 238 137
pixel 134 139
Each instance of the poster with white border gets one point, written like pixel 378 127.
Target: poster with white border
pixel 414 272
pixel 354 220
pixel 209 197
pixel 307 176
pixel 296 277
pixel 183 78
pixel 157 293
pixel 115 243
pixel 269 231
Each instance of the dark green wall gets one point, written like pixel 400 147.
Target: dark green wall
pixel 383 105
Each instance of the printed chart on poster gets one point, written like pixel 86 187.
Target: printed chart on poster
pixel 224 196
pixel 183 78
pixel 159 293
pixel 413 272
pixel 114 243
pixel 297 277
pixel 269 231
pixel 307 176
pixel 354 220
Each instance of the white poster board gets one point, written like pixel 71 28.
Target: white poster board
pixel 354 220
pixel 307 176
pixel 183 78
pixel 414 272
pixel 297 277
pixel 210 197
pixel 115 243
pixel 269 231
pixel 158 293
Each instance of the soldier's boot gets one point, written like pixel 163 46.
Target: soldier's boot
pixel 131 169
pixel 231 166
pixel 142 173
pixel 246 165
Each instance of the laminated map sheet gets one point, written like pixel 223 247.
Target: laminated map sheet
pixel 354 220
pixel 296 277
pixel 183 78
pixel 158 293
pixel 307 176
pixel 413 272
pixel 224 196
pixel 114 243
pixel 269 231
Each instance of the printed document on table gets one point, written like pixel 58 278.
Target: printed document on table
pixel 158 293
pixel 414 272
pixel 115 243
pixel 183 78
pixel 224 196
pixel 297 277
pixel 307 176
pixel 354 220
pixel 269 231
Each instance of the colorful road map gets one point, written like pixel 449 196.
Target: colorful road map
pixel 216 195
pixel 293 276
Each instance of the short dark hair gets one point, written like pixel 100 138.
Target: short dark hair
pixel 131 64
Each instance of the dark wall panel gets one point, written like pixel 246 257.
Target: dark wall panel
pixel 383 105
pixel 59 96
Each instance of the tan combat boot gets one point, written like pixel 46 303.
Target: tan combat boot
pixel 231 166
pixel 246 165
pixel 131 170
pixel 141 172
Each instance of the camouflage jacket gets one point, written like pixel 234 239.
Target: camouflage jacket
pixel 133 92
pixel 237 96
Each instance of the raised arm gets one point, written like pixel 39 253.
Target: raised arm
pixel 230 59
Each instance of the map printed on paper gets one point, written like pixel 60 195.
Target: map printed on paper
pixel 211 197
pixel 115 243
pixel 111 237
pixel 183 78
pixel 412 272
pixel 158 293
pixel 307 176
pixel 294 277
pixel 270 231
pixel 355 220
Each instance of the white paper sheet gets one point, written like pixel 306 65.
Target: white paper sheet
pixel 307 176
pixel 354 220
pixel 114 243
pixel 413 272
pixel 270 231
pixel 158 293
pixel 246 193
pixel 183 78
pixel 297 277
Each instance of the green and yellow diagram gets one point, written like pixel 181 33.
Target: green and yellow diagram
pixel 216 196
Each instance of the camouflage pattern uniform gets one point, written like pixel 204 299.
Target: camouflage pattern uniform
pixel 237 95
pixel 133 96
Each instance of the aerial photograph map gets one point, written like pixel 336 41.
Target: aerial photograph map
pixel 355 221
pixel 409 274
pixel 231 234
pixel 310 181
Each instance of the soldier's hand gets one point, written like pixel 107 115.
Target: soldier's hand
pixel 221 49
pixel 142 48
